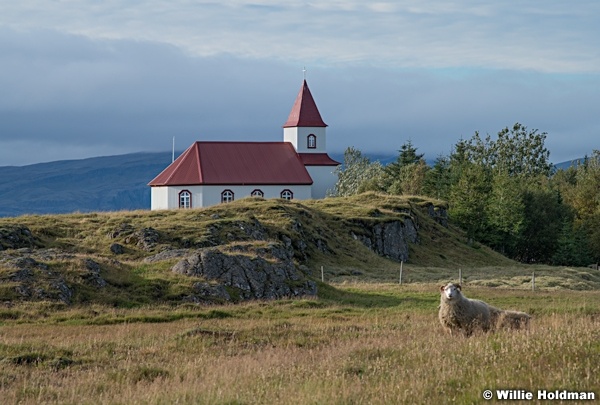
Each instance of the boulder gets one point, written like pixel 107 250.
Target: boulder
pixel 31 275
pixel 16 237
pixel 268 273
pixel 117 249
pixel 92 274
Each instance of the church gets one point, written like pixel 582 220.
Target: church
pixel 214 172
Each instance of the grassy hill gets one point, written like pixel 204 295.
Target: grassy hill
pixel 126 258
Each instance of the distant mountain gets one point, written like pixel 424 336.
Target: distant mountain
pixel 109 183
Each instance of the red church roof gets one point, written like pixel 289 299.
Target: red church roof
pixel 304 112
pixel 235 163
pixel 317 159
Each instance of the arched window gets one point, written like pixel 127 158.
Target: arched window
pixel 311 141
pixel 185 199
pixel 257 193
pixel 287 194
pixel 227 196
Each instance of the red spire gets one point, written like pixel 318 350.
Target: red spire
pixel 304 112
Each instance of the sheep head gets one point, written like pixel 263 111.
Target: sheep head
pixel 450 291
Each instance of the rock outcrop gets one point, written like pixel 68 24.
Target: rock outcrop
pixel 250 273
pixel 144 238
pixel 35 280
pixel 16 237
pixel 389 239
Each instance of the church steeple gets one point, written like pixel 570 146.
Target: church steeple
pixel 305 128
pixel 304 112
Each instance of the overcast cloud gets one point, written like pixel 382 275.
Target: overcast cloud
pixel 83 78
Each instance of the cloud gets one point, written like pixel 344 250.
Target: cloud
pixel 553 37
pixel 84 78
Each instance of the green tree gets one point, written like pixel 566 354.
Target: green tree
pixel 490 180
pixel 586 196
pixel 505 212
pixel 468 200
pixel 407 174
pixel 357 174
pixel 572 246
pixel 409 179
pixel 437 180
pixel 585 199
pixel 545 214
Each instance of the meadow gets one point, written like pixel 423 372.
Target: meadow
pixel 358 343
pixel 128 334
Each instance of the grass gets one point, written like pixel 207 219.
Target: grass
pixel 365 339
pixel 360 343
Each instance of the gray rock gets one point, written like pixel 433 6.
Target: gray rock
pixel 123 229
pixel 117 249
pixel 167 254
pixel 439 214
pixel 145 238
pixel 390 239
pixel 92 276
pixel 16 237
pixel 255 277
pixel 210 291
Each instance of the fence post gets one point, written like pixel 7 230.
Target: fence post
pixel 322 275
pixel 400 279
pixel 533 281
pixel 459 276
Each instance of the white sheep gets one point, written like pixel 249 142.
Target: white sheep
pixel 460 314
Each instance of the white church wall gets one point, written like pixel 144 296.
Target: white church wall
pixel 212 194
pixel 297 136
pixel 205 196
pixel 168 197
pixel 159 197
pixel 324 179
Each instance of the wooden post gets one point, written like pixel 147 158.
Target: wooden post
pixel 533 281
pixel 322 275
pixel 400 279
pixel 459 276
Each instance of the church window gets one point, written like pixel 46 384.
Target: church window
pixel 287 194
pixel 311 141
pixel 257 193
pixel 185 199
pixel 227 196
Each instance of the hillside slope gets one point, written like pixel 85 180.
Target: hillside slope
pixel 251 248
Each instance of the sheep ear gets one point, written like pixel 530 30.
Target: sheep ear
pixel 458 286
pixel 442 288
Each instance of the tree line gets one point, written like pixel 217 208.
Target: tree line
pixel 502 191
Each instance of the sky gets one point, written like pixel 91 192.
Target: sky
pixel 85 78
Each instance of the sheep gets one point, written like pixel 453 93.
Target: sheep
pixel 458 313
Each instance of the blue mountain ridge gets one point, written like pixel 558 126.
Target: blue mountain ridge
pixel 107 183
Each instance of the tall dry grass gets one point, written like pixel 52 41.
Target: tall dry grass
pixel 377 344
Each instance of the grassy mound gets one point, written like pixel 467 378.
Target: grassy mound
pixel 107 258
